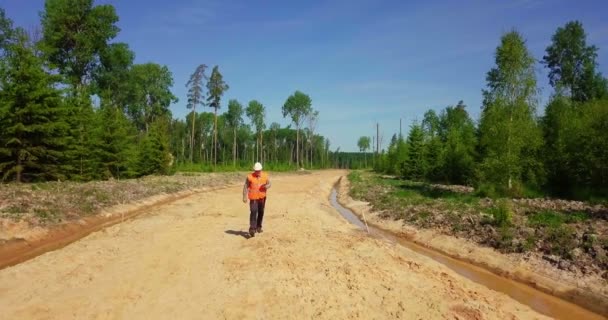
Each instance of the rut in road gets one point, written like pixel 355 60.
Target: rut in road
pixel 191 259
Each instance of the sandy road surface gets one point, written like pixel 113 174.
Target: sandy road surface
pixel 190 260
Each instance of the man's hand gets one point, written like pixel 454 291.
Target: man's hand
pixel 244 200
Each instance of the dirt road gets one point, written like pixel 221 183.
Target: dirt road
pixel 191 260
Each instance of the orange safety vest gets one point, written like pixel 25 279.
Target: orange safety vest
pixel 255 190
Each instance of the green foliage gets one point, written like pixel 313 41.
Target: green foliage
pixel 195 98
pixel 577 148
pixel 256 113
pixel 112 118
pixel 154 155
pixel 504 239
pixel 487 190
pixel 33 135
pixel 216 88
pixel 546 218
pixel 6 31
pixel 510 139
pixel 115 144
pixel 297 106
pixel 112 78
pixel 195 87
pixel 234 116
pixel 561 240
pixel 572 64
pixel 553 219
pixel 75 54
pixel 234 119
pixel 151 93
pixel 432 157
pixel 81 138
pixel 414 166
pixel 458 134
pixel 354 176
pixel 364 143
pixel 502 214
pixel 442 149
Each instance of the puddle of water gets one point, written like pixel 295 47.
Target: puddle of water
pixel 536 299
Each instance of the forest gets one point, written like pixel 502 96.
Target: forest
pixel 74 105
pixel 513 149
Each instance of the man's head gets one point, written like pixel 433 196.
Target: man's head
pixel 257 167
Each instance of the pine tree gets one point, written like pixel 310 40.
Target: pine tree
pixel 458 134
pixel 115 142
pixel 414 166
pixel 81 139
pixel 216 88
pixel 33 135
pixel 433 148
pixel 154 155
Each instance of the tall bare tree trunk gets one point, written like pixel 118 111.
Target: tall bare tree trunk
pixel 311 160
pixel 19 168
pixel 262 144
pixel 510 182
pixel 215 138
pixel 297 147
pixel 183 147
pixel 234 149
pixel 192 135
pixel 291 154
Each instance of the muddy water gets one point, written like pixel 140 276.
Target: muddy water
pixel 537 300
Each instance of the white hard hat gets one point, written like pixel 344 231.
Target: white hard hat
pixel 257 166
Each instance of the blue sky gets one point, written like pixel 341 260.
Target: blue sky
pixel 361 61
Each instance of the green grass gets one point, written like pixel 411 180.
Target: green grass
pixel 578 216
pixel 553 219
pixel 515 226
pixel 546 218
pixel 390 193
pixel 355 177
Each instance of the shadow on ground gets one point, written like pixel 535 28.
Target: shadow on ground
pixel 243 234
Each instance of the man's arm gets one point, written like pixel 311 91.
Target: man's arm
pixel 245 190
pixel 268 184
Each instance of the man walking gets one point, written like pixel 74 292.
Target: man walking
pixel 255 188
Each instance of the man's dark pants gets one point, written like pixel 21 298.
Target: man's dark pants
pixel 256 216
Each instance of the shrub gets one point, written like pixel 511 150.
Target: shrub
pixel 501 214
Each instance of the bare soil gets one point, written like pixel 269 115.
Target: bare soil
pixel 192 259
pixel 588 289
